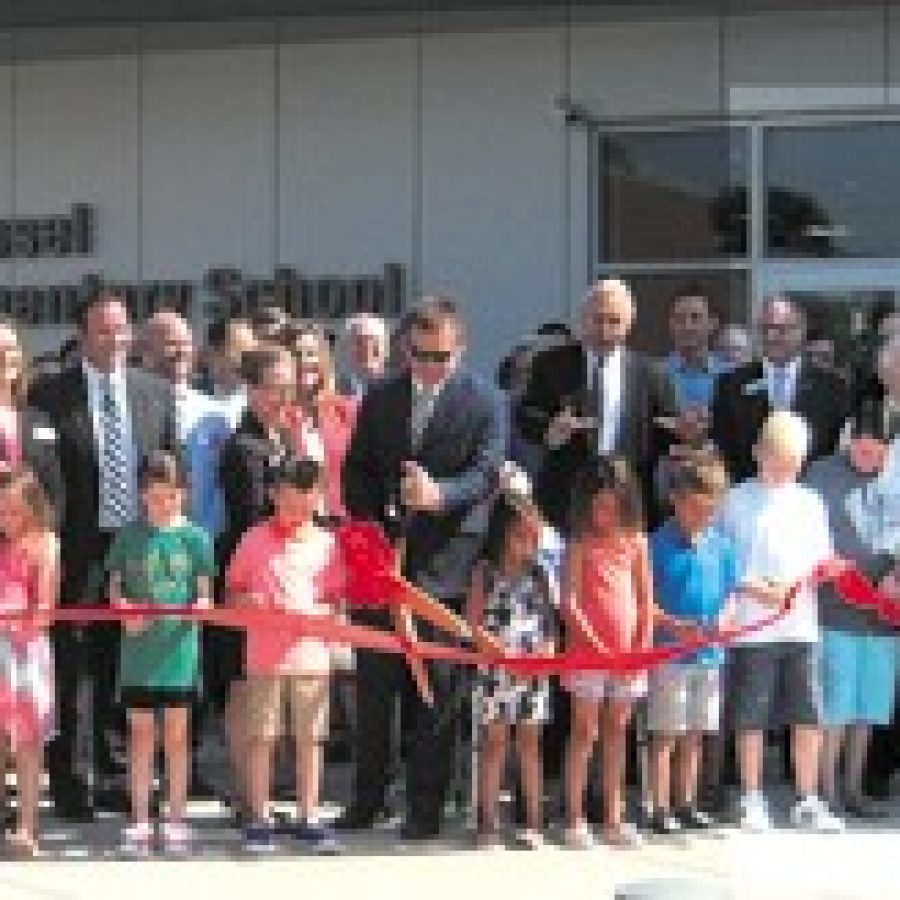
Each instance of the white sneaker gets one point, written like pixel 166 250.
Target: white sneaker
pixel 813 814
pixel 137 840
pixel 754 816
pixel 580 837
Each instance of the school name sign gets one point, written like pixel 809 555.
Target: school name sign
pixel 221 291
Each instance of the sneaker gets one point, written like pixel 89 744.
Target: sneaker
pixel 664 824
pixel 694 819
pixel 316 838
pixel 259 837
pixel 137 840
pixel 177 839
pixel 529 839
pixel 754 815
pixel 580 837
pixel 813 814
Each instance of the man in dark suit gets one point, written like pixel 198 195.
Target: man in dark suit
pixel 423 462
pixel 108 418
pixel 781 379
pixel 595 397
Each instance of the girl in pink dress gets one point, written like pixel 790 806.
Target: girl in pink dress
pixel 29 572
pixel 607 603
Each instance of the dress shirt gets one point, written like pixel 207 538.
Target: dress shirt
pixel 609 368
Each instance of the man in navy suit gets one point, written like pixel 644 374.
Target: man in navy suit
pixel 423 462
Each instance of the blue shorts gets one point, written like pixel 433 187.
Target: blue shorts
pixel 859 673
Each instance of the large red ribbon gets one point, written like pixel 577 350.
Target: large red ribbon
pixel 372 578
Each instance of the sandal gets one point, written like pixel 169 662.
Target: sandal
pixel 623 837
pixel 22 846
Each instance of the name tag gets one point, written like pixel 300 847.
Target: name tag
pixel 43 433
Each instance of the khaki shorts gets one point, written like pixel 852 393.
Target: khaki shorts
pixel 684 698
pixel 306 699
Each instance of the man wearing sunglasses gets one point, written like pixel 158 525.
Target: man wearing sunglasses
pixel 424 461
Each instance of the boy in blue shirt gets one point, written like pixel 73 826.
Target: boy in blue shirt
pixel 694 575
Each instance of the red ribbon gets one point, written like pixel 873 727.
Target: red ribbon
pixel 372 578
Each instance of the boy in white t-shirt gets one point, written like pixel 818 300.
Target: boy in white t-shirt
pixel 780 533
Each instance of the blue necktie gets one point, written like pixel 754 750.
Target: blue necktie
pixel 115 489
pixel 780 388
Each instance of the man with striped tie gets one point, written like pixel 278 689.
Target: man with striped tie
pixel 108 418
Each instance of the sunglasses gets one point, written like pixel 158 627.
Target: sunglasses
pixel 431 356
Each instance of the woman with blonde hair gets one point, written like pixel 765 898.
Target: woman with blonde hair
pixel 26 434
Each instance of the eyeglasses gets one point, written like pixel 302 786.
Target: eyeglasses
pixel 431 356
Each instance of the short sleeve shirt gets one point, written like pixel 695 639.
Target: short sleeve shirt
pixel 299 575
pixel 692 580
pixel 161 566
pixel 780 534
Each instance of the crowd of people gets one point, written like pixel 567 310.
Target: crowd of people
pixel 594 499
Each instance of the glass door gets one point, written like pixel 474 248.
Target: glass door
pixel 848 307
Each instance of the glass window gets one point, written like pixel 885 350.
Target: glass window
pixel 729 294
pixel 832 191
pixel 673 195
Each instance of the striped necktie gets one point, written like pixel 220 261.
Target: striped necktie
pixel 424 397
pixel 115 490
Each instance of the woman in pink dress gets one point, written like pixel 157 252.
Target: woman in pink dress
pixel 29 577
pixel 324 418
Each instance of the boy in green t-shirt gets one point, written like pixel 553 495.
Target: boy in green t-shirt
pixel 162 560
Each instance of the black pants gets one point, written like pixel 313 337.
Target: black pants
pixel 86 664
pixel 429 732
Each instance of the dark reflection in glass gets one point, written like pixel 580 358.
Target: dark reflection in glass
pixel 673 195
pixel 832 191
pixel 728 292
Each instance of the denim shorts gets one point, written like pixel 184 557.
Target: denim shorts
pixel 859 672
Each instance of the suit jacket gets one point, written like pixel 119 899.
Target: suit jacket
pixel 559 377
pixel 246 462
pixel 741 405
pixel 462 447
pixel 63 399
pixel 40 452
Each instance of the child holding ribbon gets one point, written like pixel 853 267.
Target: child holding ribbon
pixel 288 563
pixel 607 599
pixel 694 577
pixel 164 561
pixel 29 575
pixel 781 534
pixel 511 598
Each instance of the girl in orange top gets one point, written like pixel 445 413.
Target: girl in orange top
pixel 607 603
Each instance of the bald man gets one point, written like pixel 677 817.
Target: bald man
pixel 782 379
pixel 203 423
pixel 593 396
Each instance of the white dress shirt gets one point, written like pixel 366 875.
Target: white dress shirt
pixel 610 368
pixel 119 385
pixel 793 372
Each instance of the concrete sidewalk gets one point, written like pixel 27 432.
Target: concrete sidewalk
pixel 84 863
